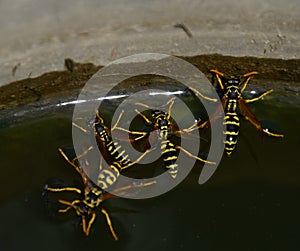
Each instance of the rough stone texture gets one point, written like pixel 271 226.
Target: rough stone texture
pixel 36 36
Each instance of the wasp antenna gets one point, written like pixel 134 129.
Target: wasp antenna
pixel 250 73
pixel 217 72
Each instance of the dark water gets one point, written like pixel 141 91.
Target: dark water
pixel 250 203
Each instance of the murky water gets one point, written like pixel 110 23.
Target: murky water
pixel 250 203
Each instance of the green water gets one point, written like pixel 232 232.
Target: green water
pixel 250 203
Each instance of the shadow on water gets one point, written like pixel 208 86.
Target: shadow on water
pixel 250 203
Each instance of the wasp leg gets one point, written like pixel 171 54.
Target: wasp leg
pixel 100 165
pixel 194 126
pixel 82 154
pixel 103 211
pixel 124 188
pixel 143 116
pixel 254 121
pixel 118 120
pixel 87 231
pixel 65 210
pixel 143 134
pixel 69 204
pixel 258 98
pixel 84 225
pixel 72 189
pixel 101 121
pixel 136 161
pixel 80 128
pixel 170 103
pixel 149 122
pixel 77 168
pixel 249 76
pixel 72 163
pixel 218 74
pixel 148 107
pixel 203 96
pixel 195 157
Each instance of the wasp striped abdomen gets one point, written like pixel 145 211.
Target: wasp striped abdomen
pixel 107 177
pixel 169 154
pixel 111 150
pixel 169 151
pixel 232 124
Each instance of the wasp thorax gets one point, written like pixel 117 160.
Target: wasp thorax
pixel 233 93
pixel 83 208
pixel 91 197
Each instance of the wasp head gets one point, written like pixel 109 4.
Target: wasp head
pixel 157 113
pixel 82 208
pixel 233 82
pixel 99 128
pixel 91 200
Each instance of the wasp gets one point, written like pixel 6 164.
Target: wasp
pixel 231 89
pixel 93 196
pixel 161 121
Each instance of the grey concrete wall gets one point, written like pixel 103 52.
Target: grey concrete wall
pixel 36 36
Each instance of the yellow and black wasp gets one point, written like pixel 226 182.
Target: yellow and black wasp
pixel 232 99
pixel 91 198
pixel 92 195
pixel 111 150
pixel 161 121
